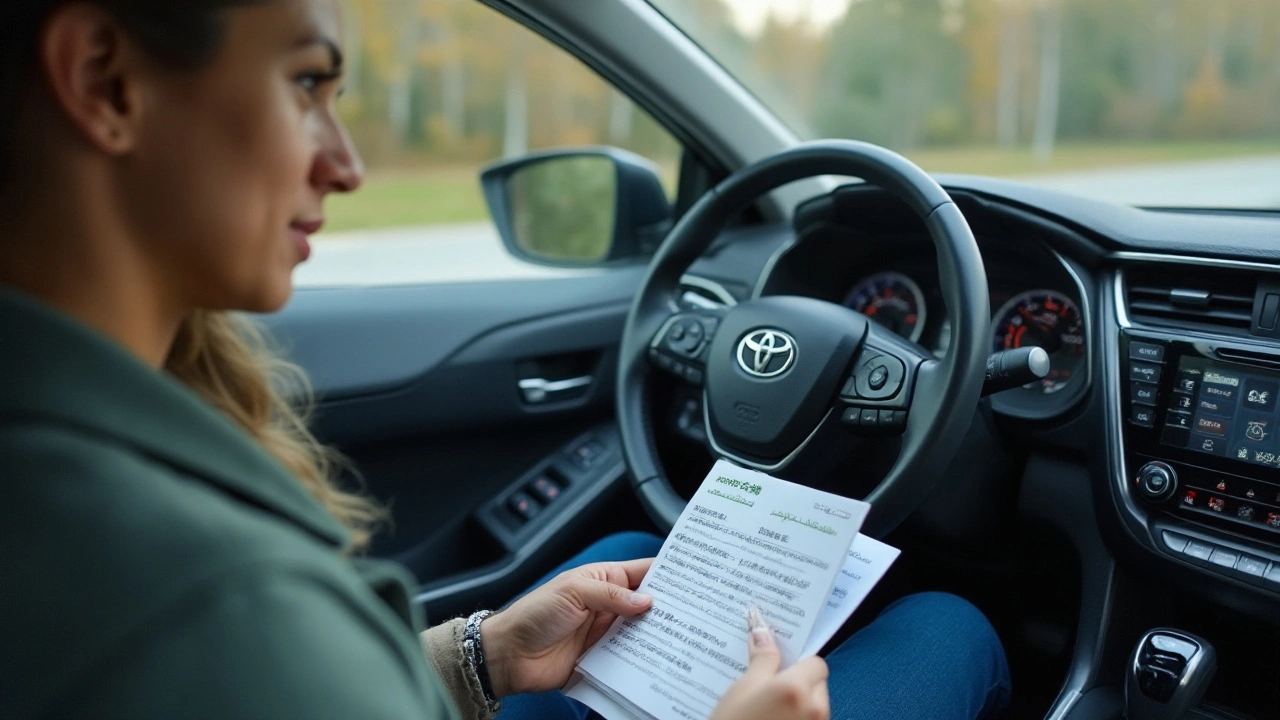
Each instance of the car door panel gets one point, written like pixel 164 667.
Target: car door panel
pixel 364 341
pixel 477 387
pixel 418 387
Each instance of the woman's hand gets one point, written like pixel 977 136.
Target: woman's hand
pixel 534 644
pixel 763 693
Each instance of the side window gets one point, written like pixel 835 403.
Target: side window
pixel 436 90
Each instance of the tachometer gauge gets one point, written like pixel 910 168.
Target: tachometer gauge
pixel 891 299
pixel 1045 319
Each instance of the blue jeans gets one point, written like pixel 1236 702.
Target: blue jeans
pixel 929 655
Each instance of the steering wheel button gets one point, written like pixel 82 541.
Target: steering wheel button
pixel 869 418
pixel 676 333
pixel 886 419
pixel 878 377
pixel 851 416
pixel 694 329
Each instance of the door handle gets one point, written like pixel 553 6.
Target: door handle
pixel 538 390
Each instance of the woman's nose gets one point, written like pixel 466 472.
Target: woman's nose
pixel 338 167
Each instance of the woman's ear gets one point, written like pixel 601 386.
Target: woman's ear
pixel 95 73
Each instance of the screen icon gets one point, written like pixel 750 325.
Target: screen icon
pixel 1260 394
pixel 1211 425
pixel 1256 430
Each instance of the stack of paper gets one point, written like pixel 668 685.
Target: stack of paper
pixel 745 538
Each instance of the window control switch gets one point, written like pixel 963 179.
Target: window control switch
pixel 545 489
pixel 525 507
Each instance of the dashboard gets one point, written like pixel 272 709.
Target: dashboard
pixel 1153 445
pixel 888 272
pixel 1180 479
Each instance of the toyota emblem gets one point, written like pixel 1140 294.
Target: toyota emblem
pixel 766 353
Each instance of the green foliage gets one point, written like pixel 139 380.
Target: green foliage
pixel 401 199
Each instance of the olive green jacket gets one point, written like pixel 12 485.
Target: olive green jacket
pixel 157 563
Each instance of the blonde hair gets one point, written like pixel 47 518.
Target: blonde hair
pixel 227 361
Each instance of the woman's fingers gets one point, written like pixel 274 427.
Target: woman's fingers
pixel 808 672
pixel 821 700
pixel 763 658
pixel 628 572
pixel 608 597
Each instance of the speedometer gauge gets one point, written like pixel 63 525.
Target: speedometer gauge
pixel 891 299
pixel 1044 319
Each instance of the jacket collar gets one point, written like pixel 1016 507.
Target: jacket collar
pixel 55 370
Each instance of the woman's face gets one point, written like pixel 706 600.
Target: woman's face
pixel 233 161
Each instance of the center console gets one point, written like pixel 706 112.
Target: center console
pixel 1201 443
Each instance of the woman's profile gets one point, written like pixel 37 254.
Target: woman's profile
pixel 176 543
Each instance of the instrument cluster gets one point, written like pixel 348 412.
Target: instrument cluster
pixel 1043 317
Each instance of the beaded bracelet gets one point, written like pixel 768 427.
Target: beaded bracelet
pixel 474 652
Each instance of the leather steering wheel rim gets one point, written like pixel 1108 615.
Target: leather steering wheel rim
pixel 947 390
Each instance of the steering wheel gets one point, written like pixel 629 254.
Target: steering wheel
pixel 786 380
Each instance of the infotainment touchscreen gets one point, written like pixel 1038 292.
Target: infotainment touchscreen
pixel 1224 410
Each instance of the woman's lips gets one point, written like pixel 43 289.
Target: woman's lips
pixel 300 231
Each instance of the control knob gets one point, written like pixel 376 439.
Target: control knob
pixel 1157 481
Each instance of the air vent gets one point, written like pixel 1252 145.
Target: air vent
pixel 1201 298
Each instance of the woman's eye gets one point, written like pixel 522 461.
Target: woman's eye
pixel 311 82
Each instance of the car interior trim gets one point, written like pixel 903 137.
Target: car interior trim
pixel 1086 314
pixel 1130 256
pixel 1060 495
pixel 1064 704
pixel 711 286
pixel 763 280
pixel 1115 416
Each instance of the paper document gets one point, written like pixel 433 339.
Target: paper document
pixel 744 538
pixel 867 562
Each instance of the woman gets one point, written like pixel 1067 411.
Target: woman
pixel 174 545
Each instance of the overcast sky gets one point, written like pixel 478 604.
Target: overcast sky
pixel 750 14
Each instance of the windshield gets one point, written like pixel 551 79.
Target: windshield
pixel 1144 102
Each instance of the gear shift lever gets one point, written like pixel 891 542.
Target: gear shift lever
pixel 1168 675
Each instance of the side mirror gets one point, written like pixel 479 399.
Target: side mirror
pixel 578 206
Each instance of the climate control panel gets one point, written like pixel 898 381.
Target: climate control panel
pixel 1208 495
